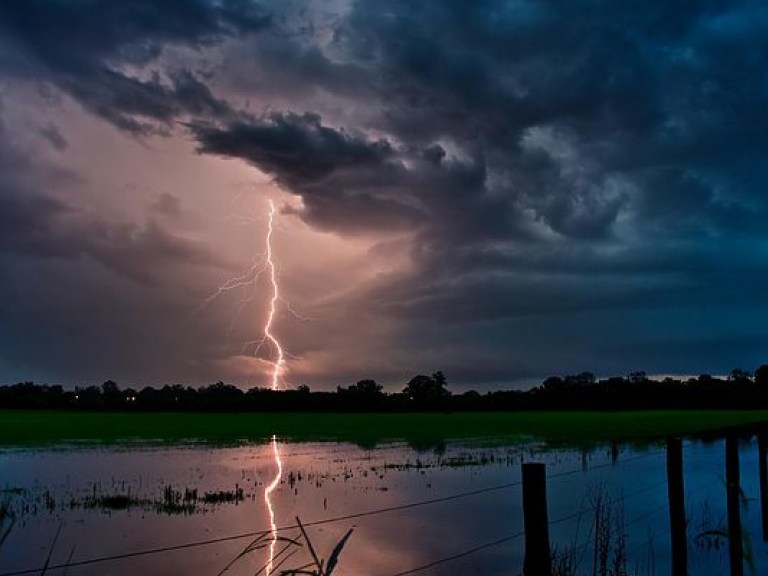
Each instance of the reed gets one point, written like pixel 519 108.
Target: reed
pixel 289 547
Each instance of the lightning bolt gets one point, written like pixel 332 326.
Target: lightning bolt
pixel 268 335
pixel 277 368
pixel 248 282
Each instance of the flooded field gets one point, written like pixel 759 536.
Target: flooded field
pixel 452 508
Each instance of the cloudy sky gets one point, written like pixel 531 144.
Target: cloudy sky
pixel 499 189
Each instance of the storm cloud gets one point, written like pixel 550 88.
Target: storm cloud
pixel 542 168
pixel 101 53
pixel 80 291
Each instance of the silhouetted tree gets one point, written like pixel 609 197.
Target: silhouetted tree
pixel 367 387
pixel 427 389
pixel 739 376
pixel 363 395
pixel 363 389
pixel 110 391
pixel 579 380
pixel 761 375
pixel 580 391
pixel 553 384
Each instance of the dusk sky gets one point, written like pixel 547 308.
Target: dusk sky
pixel 501 190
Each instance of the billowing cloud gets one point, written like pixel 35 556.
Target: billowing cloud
pixel 102 53
pixel 542 169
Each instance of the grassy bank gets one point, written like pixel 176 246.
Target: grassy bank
pixel 36 428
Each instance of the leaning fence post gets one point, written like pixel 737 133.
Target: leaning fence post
pixel 676 495
pixel 538 560
pixel 733 489
pixel 761 448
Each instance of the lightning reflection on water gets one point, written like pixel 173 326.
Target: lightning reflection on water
pixel 270 508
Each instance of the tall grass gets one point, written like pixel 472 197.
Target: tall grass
pixel 7 520
pixel 317 566
pixel 606 545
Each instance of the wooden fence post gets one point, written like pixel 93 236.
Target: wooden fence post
pixel 538 559
pixel 762 447
pixel 676 495
pixel 733 495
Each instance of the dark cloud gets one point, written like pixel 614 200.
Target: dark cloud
pixel 582 115
pixel 347 183
pixel 558 158
pixel 87 49
pixel 296 148
pixel 84 297
pixel 543 160
pixel 43 227
pixel 291 66
pixel 74 34
pixel 36 225
pixel 54 136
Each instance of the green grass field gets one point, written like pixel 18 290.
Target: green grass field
pixel 39 428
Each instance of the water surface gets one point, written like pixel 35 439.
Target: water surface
pixel 408 508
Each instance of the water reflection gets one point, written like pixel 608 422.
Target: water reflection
pixel 270 508
pixel 409 508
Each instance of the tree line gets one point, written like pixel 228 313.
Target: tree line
pixel 740 389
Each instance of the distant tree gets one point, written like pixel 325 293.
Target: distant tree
pixel 740 376
pixel 580 380
pixel 303 389
pixel 90 396
pixel 110 389
pixel 638 377
pixel 215 394
pixel 368 387
pixel 423 388
pixel 761 375
pixel 617 383
pixel 553 384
